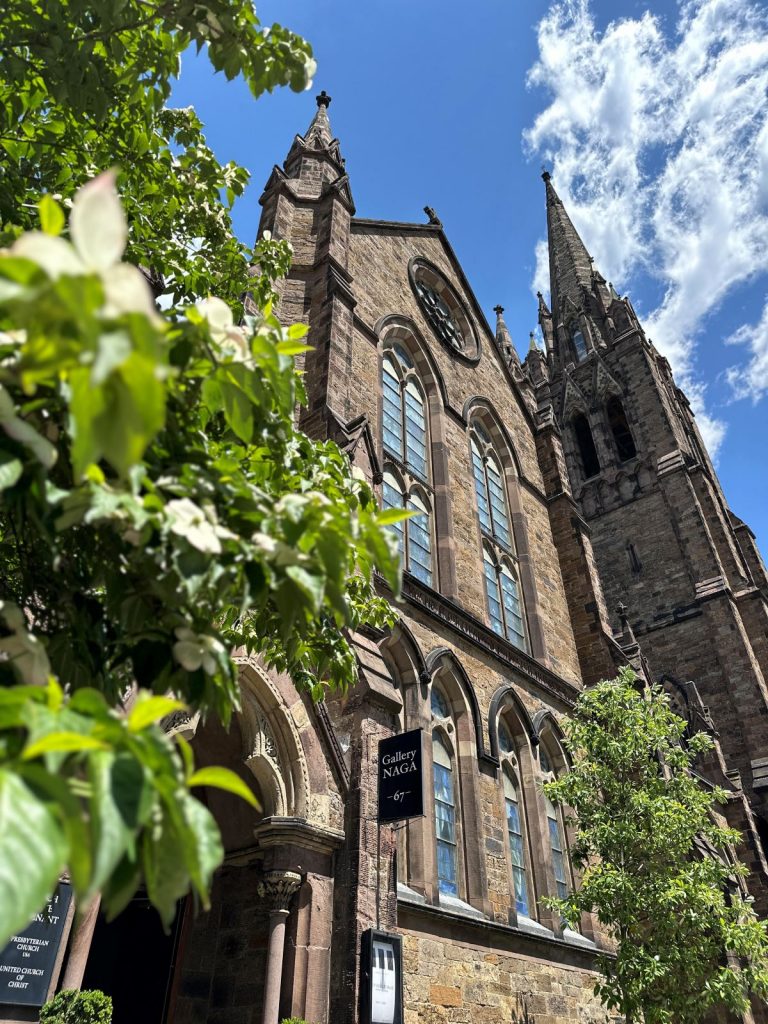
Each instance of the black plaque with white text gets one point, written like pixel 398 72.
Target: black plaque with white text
pixel 27 962
pixel 401 785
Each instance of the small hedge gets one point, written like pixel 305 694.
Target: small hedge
pixel 293 1020
pixel 73 1007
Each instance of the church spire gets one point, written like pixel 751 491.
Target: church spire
pixel 319 134
pixel 504 339
pixel 570 265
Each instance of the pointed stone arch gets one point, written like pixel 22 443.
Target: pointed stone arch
pixel 272 747
pixel 507 697
pixel 444 663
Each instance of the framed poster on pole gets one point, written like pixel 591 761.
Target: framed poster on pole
pixel 381 988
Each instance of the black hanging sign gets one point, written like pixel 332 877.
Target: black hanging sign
pixel 27 962
pixel 401 784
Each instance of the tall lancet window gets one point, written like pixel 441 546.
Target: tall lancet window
pixel 513 804
pixel 556 832
pixel 445 795
pixel 622 435
pixel 590 463
pixel 502 584
pixel 406 463
pixel 579 342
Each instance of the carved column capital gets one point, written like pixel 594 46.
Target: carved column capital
pixel 278 887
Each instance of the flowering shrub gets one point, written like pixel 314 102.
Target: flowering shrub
pixel 158 508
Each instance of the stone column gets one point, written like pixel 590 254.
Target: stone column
pixel 80 946
pixel 277 888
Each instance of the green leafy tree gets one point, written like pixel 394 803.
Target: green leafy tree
pixel 656 867
pixel 71 1007
pixel 158 507
pixel 84 86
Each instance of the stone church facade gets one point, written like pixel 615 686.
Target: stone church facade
pixel 571 523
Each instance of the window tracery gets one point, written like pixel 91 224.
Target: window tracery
pixel 406 472
pixel 443 775
pixel 500 568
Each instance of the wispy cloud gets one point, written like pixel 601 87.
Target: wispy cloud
pixel 659 144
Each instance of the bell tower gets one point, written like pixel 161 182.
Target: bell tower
pixel 666 543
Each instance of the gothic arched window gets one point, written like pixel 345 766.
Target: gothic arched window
pixel 405 420
pixel 503 592
pixel 414 535
pixel 579 342
pixel 555 831
pixel 443 774
pixel 622 436
pixel 502 584
pixel 406 470
pixel 590 463
pixel 513 804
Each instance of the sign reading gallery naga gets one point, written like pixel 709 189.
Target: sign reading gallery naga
pixel 401 784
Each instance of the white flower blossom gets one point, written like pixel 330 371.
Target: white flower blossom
pixel 188 520
pixel 230 339
pixel 194 650
pixel 99 233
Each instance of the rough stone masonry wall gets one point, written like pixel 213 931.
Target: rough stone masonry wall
pixel 448 981
pixel 379 266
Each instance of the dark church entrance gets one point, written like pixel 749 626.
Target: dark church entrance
pixel 132 960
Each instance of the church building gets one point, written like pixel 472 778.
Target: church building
pixel 571 522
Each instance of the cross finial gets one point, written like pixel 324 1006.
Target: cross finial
pixel 323 100
pixel 545 175
pixel 498 310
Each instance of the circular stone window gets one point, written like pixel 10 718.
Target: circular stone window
pixel 443 309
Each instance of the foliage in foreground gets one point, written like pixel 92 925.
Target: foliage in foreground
pixel 158 508
pixel 72 1007
pixel 656 866
pixel 84 86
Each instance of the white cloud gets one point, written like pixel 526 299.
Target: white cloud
pixel 659 146
pixel 751 381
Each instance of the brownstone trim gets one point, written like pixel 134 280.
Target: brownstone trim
pixel 447 924
pixel 466 625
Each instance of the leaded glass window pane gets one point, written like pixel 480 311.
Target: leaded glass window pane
pixel 513 614
pixel 517 848
pixel 558 853
pixel 579 343
pixel 393 415
pixel 415 431
pixel 492 593
pixel 393 498
pixel 481 490
pixel 498 503
pixel 439 705
pixel 445 819
pixel 419 542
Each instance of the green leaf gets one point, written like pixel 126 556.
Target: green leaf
pixel 291 348
pixel 388 516
pixel 60 742
pixel 51 216
pixel 223 778
pixel 33 851
pixel 119 805
pixel 148 710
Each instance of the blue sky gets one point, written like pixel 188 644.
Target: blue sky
pixel 652 119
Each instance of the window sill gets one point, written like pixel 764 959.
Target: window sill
pixel 457 906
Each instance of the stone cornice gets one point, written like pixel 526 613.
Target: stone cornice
pixel 276 832
pixel 466 625
pixel 498 936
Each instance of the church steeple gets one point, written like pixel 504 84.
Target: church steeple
pixel 319 134
pixel 570 265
